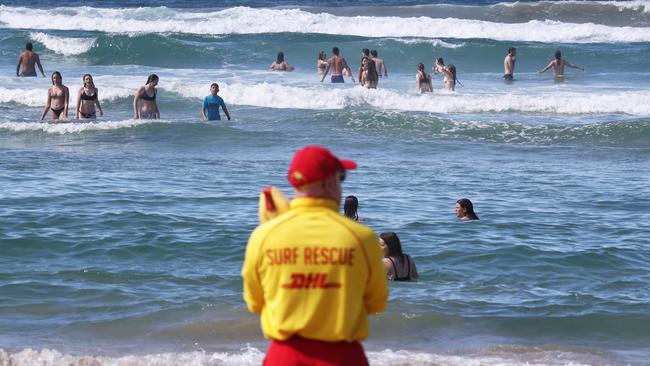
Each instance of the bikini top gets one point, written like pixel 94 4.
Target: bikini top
pixel 424 78
pixel 408 265
pixel 85 96
pixel 146 97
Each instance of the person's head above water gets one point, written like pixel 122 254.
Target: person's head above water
pixel 214 88
pixel 28 46
pixel 440 61
pixel 350 207
pixel 366 52
pixel 421 67
pixel 322 55
pixel 335 51
pixel 280 58
pixel 316 172
pixel 512 51
pixel 57 78
pixel 391 244
pixel 88 81
pixel 558 55
pixel 153 78
pixel 465 210
pixel 373 53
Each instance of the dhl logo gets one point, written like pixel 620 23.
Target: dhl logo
pixel 310 280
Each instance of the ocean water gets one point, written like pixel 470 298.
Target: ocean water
pixel 121 240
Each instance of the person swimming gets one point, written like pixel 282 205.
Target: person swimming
pixel 423 80
pixel 58 98
pixel 465 210
pixel 280 64
pixel 398 266
pixel 350 208
pixel 88 99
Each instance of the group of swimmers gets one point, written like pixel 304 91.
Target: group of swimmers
pixel 398 265
pixel 144 101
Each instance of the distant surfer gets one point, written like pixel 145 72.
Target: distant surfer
pixel 558 65
pixel 280 64
pixel 338 65
pixel 58 98
pixel 509 64
pixel 88 99
pixel 146 97
pixel 211 104
pixel 312 274
pixel 28 59
pixel 381 65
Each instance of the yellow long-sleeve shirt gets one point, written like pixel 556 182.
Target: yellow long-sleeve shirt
pixel 314 273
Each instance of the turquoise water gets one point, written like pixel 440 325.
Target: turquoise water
pixel 122 240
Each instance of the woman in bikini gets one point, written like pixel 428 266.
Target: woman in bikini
pixel 449 73
pixel 280 64
pixel 58 98
pixel 88 100
pixel 321 62
pixel 423 80
pixel 398 266
pixel 368 76
pixel 146 95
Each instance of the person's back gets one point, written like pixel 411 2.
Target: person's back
pixel 28 60
pixel 379 63
pixel 509 64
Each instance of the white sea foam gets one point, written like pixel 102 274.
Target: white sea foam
pixel 244 20
pixel 64 45
pixel 320 97
pixel 433 42
pixel 73 127
pixel 253 356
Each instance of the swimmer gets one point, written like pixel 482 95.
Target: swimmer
pixel 423 80
pixel 280 64
pixel 398 266
pixel 350 208
pixel 321 63
pixel 465 210
pixel 449 80
pixel 58 98
pixel 146 96
pixel 88 99
pixel 339 66
pixel 365 53
pixel 509 64
pixel 211 104
pixel 369 76
pixel 381 65
pixel 558 65
pixel 28 59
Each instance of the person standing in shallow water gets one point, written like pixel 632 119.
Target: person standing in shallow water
pixel 88 99
pixel 558 65
pixel 280 64
pixel 509 64
pixel 465 210
pixel 145 96
pixel 423 80
pixel 338 66
pixel 28 59
pixel 313 275
pixel 398 266
pixel 211 104
pixel 58 98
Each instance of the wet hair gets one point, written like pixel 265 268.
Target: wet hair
pixel 280 58
pixel 321 55
pixel 372 71
pixel 56 73
pixel 440 61
pixel 511 49
pixel 421 67
pixel 424 78
pixel 366 52
pixel 215 85
pixel 29 46
pixel 558 55
pixel 452 70
pixel 393 244
pixel 350 207
pixel 152 77
pixel 335 51
pixel 373 53
pixel 92 83
pixel 467 205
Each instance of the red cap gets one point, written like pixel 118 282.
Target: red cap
pixel 314 163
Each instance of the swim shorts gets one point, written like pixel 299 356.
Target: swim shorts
pixel 302 351
pixel 33 73
pixel 337 79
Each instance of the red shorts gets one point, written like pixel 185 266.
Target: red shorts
pixel 307 352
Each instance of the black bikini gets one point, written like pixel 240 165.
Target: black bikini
pixel 146 97
pixel 57 112
pixel 85 96
pixel 408 275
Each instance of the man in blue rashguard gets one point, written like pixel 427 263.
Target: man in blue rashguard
pixel 211 103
